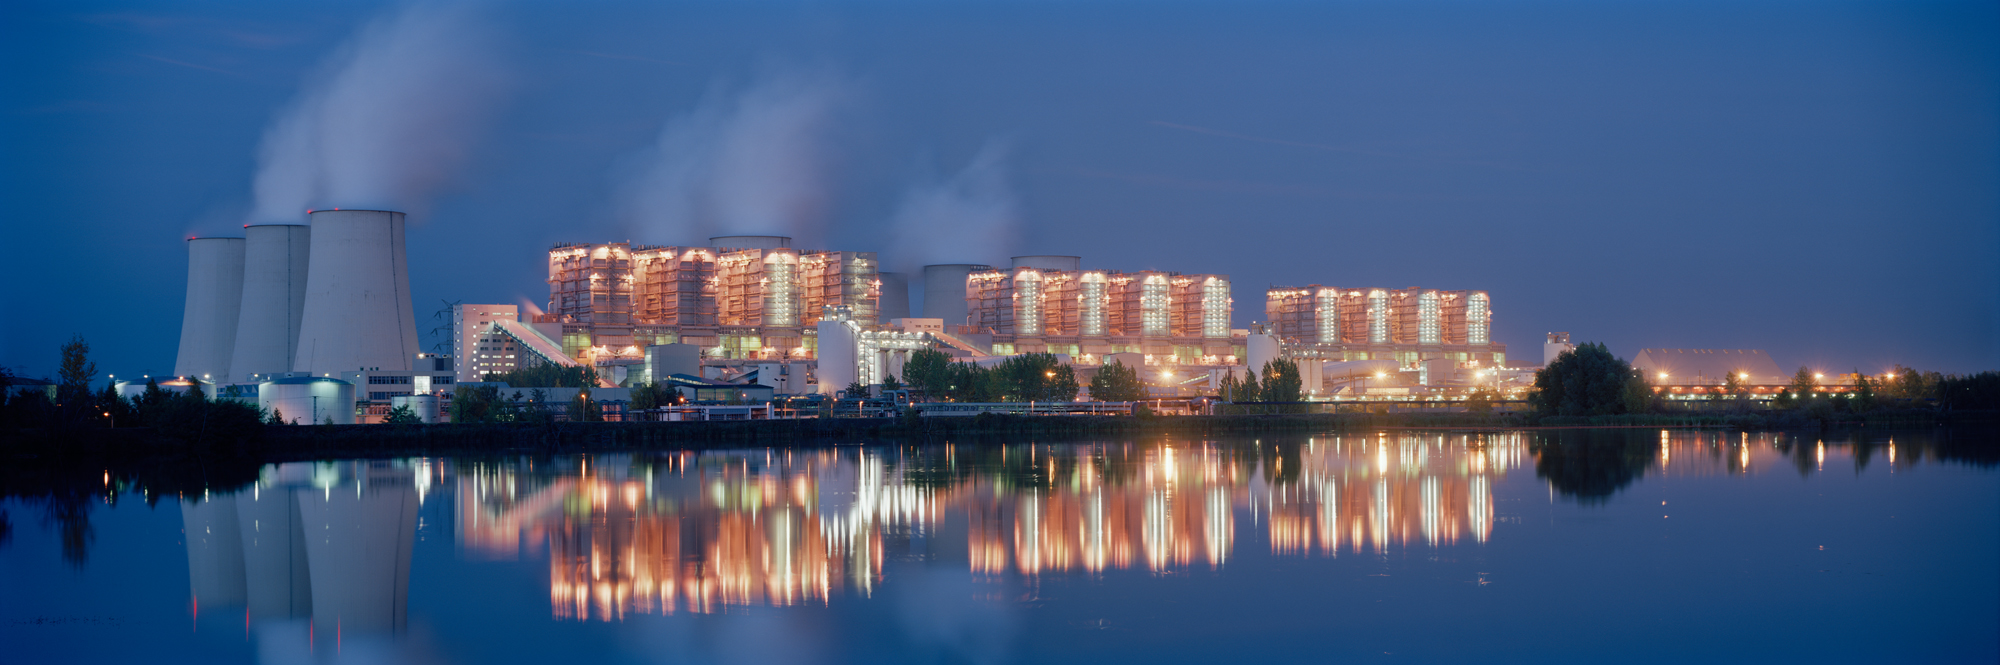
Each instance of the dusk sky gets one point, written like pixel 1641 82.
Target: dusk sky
pixel 1820 179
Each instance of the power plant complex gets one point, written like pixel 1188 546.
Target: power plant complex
pixel 316 319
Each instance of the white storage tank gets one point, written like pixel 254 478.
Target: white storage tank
pixel 426 406
pixel 308 400
pixel 274 298
pixel 357 309
pixel 214 299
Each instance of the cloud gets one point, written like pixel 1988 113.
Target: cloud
pixel 748 162
pixel 389 119
pixel 972 216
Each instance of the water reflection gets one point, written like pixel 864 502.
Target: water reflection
pixel 317 555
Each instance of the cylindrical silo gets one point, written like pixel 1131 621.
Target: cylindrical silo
pixel 1049 262
pixel 839 354
pixel 214 299
pixel 944 291
pixel 1262 348
pixel 425 406
pixel 308 400
pixel 750 242
pixel 895 301
pixel 357 309
pixel 274 298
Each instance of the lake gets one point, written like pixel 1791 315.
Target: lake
pixel 1626 545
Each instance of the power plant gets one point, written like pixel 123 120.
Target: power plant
pixel 316 320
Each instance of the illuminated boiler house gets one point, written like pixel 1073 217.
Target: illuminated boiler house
pixel 1050 304
pixel 740 297
pixel 1445 337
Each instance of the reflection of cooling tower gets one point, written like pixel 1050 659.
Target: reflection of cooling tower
pixel 895 301
pixel 214 551
pixel 274 297
pixel 275 576
pixel 359 549
pixel 214 297
pixel 357 309
pixel 1049 262
pixel 944 291
pixel 750 242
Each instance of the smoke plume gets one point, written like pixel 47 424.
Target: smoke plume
pixel 970 217
pixel 738 163
pixel 387 120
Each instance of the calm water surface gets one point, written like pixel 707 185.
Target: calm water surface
pixel 1580 546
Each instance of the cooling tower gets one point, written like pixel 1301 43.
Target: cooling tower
pixel 214 297
pixel 274 297
pixel 358 551
pixel 357 306
pixel 1049 262
pixel 895 301
pixel 944 291
pixel 750 242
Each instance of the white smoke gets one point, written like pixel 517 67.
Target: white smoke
pixel 748 163
pixel 388 119
pixel 971 217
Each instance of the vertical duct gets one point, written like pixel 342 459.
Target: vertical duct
pixel 214 298
pixel 944 291
pixel 274 298
pixel 357 306
pixel 894 303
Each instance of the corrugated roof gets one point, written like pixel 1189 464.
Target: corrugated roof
pixel 1709 366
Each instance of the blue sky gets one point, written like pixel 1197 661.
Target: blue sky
pixel 1817 179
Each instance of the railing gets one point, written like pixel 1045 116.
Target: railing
pixel 968 409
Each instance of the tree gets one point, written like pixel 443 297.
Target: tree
pixel 855 390
pixel 1638 395
pixel 403 415
pixel 1804 383
pixel 1281 381
pixel 73 399
pixel 647 396
pixel 1228 388
pixel 928 370
pixel 1480 401
pixel 889 382
pixel 1864 393
pixel 1117 383
pixel 1063 387
pixel 546 375
pixel 1587 381
pixel 277 417
pixel 1250 391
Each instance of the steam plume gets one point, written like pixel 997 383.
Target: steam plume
pixel 386 121
pixel 971 217
pixel 747 163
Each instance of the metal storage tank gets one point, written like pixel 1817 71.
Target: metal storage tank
pixel 274 297
pixel 214 299
pixel 895 300
pixel 426 406
pixel 944 292
pixel 1262 348
pixel 1049 262
pixel 308 400
pixel 839 353
pixel 750 242
pixel 357 307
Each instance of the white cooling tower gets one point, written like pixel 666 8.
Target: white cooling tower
pixel 944 291
pixel 357 310
pixel 750 242
pixel 214 297
pixel 1049 262
pixel 274 297
pixel 360 536
pixel 895 301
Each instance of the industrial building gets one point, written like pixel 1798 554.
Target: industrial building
pixel 1709 367
pixel 744 297
pixel 1410 326
pixel 1051 304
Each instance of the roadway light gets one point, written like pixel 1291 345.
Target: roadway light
pixel 1663 376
